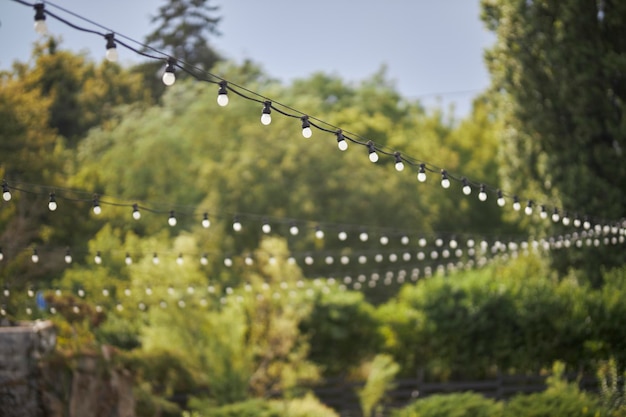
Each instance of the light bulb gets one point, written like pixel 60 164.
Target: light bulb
pixel 501 201
pixel 206 223
pixel 266 117
pixel 445 181
pixel 467 190
pixel 516 204
pixel 52 203
pixel 482 195
pixel 155 259
pixel 40 19
pixel 399 164
pixel 577 221
pixel 96 206
pixel 128 260
pixel 228 262
pixel 204 260
pixel 404 240
pixel 342 235
pixel 341 141
pixel 544 213
pixel 111 54
pixel 68 257
pixel 237 225
pixel 529 208
pixel 266 228
pixel 222 94
pixel 421 174
pixel 294 230
pixel 363 236
pixel 566 219
pixel 1 255
pixel 306 127
pixel 136 212
pixel 98 258
pixel 586 224
pixel 172 219
pixel 6 192
pixel 555 215
pixel 169 76
pixel 35 256
pixel 384 240
pixel 180 259
pixel 319 233
pixel 372 152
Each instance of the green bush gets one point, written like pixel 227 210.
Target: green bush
pixel 467 404
pixel 307 406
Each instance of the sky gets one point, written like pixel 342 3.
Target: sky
pixel 432 50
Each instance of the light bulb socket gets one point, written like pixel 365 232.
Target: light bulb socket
pixel 110 38
pixel 267 107
pixel 223 89
pixel 40 14
pixel 370 147
pixel 170 66
pixel 305 122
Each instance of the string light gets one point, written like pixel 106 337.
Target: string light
pixel 179 259
pixel 98 258
pixel 111 53
pixel 544 212
pixel 68 257
pixel 363 236
pixel 516 204
pixel 555 215
pixel 341 141
pixel 52 203
pixel 482 194
pixel 169 76
pixel 372 152
pixel 237 225
pixel 306 127
pixel 342 235
pixel 206 223
pixel 529 208
pixel 40 19
pixel 155 259
pixel 6 192
pixel 35 256
pixel 96 205
pixel 421 174
pixel 172 219
pixel 445 181
pixel 136 212
pixel 319 233
pixel 204 260
pixel 266 117
pixel 266 228
pixel 128 260
pixel 467 190
pixel 222 94
pixel 577 221
pixel 294 230
pixel 501 201
pixel 399 164
pixel 566 219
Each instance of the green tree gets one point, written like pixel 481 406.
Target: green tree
pixel 558 82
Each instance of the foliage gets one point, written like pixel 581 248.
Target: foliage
pixel 559 87
pixel 612 388
pixel 382 372
pixel 466 404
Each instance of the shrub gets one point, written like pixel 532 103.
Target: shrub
pixel 467 404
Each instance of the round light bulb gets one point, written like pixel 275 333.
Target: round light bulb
pixel 180 260
pixel 97 259
pixel 421 176
pixel 307 132
pixel 445 183
pixel 342 145
pixel 112 55
pixel 172 221
pixel 294 230
pixel 482 196
pixel 319 234
pixel 266 228
pixel 41 27
pixel 528 210
pixel 566 221
pixel 204 260
pixel 97 210
pixel 136 213
pixel 555 217
pixel 155 259
pixel 266 119
pixel 6 195
pixel 342 235
pixel 237 226
pixel 467 190
pixel 52 205
pixel 68 259
pixel 399 166
pixel 228 262
pixel 404 240
pixel 222 100
pixel 169 78
pixel 517 206
pixel 34 258
pixel 384 240
pixel 128 260
pixel 577 222
pixel 373 157
pixel 206 223
pixel 501 202
pixel 363 237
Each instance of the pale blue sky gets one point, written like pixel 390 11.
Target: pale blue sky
pixel 430 48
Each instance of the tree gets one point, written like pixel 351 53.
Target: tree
pixel 559 82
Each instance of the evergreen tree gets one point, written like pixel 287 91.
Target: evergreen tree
pixel 559 78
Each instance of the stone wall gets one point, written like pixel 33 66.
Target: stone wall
pixel 21 347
